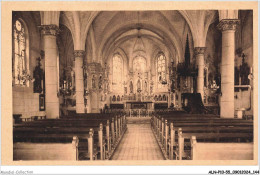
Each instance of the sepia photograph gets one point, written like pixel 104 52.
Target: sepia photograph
pixel 131 86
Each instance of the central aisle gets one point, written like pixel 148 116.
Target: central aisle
pixel 138 143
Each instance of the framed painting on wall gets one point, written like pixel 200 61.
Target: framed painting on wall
pixel 42 102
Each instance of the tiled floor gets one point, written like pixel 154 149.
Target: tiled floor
pixel 138 143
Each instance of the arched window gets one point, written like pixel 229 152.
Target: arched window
pixel 161 68
pixel 20 55
pixel 117 69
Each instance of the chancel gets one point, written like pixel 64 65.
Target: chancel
pixel 133 85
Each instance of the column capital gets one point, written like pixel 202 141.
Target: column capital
pixel 79 53
pixel 49 29
pixel 199 50
pixel 228 24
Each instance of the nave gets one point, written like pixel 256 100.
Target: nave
pixel 120 85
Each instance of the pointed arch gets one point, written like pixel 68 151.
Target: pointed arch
pixel 161 69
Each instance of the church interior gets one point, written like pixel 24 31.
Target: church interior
pixel 133 85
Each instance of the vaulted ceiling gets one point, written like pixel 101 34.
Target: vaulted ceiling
pixel 162 30
pixel 99 33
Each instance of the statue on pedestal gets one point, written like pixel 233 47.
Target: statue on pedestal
pixel 131 87
pixel 93 82
pixel 244 72
pixel 139 85
pixel 38 77
pixel 145 86
pixel 100 82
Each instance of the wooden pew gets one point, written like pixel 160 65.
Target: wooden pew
pixel 108 128
pixel 113 128
pixel 180 152
pixel 47 136
pixel 46 151
pixel 195 124
pixel 118 125
pixel 171 136
pixel 201 122
pixel 218 133
pixel 59 126
pixel 221 151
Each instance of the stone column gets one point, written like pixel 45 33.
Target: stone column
pixel 228 28
pixel 79 81
pixel 51 73
pixel 199 53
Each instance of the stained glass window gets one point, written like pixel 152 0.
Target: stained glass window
pixel 161 68
pixel 20 64
pixel 117 69
pixel 139 64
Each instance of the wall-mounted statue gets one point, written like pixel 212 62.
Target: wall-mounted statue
pixel 244 72
pixel 125 88
pixel 100 82
pixel 85 80
pixel 138 84
pixel 151 89
pixel 38 78
pixel 93 82
pixel 72 74
pixel 145 86
pixel 131 87
pixel 173 86
pixel 108 87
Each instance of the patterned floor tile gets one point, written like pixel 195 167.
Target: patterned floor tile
pixel 138 143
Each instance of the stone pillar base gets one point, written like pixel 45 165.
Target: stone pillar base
pixel 225 111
